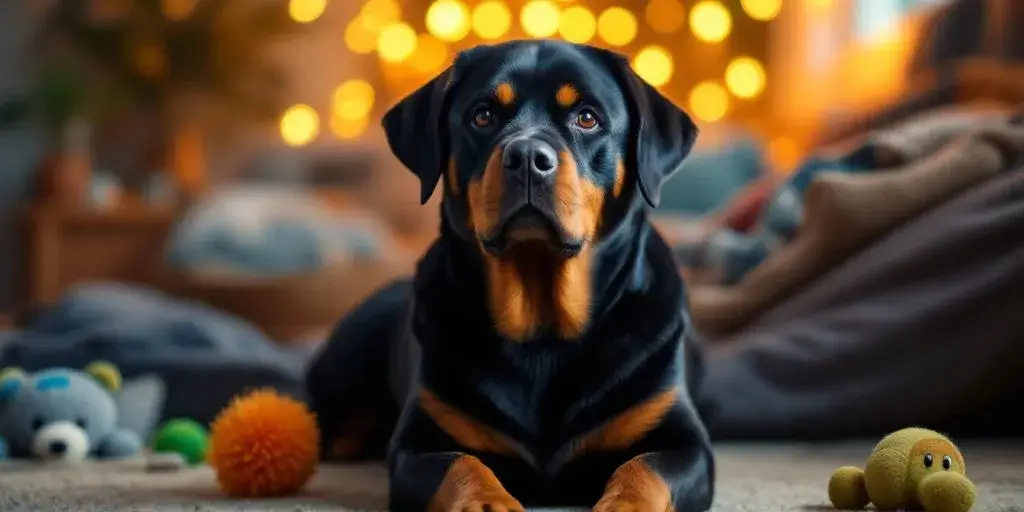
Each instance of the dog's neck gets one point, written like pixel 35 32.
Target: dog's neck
pixel 564 305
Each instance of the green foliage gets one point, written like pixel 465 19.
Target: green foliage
pixel 218 51
pixel 59 94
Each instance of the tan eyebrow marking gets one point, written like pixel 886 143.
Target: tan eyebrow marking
pixel 567 95
pixel 505 94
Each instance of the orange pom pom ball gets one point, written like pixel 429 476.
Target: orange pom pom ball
pixel 264 444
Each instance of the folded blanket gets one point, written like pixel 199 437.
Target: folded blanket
pixel 843 212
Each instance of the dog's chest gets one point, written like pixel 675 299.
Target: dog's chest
pixel 538 402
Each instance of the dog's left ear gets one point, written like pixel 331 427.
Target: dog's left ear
pixel 416 128
pixel 661 133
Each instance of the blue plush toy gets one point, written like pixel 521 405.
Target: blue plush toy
pixel 63 414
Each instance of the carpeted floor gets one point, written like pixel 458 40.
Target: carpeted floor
pixel 750 478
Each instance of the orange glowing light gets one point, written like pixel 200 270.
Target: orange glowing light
pixel 617 26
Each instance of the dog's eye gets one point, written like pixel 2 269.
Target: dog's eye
pixel 81 423
pixel 483 117
pixel 37 423
pixel 586 119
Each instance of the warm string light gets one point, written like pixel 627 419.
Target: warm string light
pixel 745 77
pixel 617 26
pixel 577 24
pixel 305 11
pixel 379 28
pixel 710 21
pixel 654 64
pixel 300 124
pixel 491 19
pixel 540 18
pixel 709 101
pixel 762 10
pixel 448 20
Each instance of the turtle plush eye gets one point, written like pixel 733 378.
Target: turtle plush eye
pixel 947 462
pixel 928 460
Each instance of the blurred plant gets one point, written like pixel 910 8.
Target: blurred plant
pixel 99 58
pixel 156 51
pixel 59 94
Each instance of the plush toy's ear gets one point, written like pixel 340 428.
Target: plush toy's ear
pixel 661 134
pixel 11 380
pixel 106 374
pixel 416 128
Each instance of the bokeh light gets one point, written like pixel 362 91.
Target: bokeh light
pixel 396 43
pixel 491 19
pixel 353 100
pixel 177 10
pixel 540 18
pixel 577 24
pixel 654 65
pixel 709 101
pixel 617 26
pixel 359 38
pixel 305 11
pixel 299 125
pixel 448 20
pixel 431 54
pixel 762 10
pixel 665 16
pixel 349 128
pixel 377 14
pixel 710 21
pixel 745 77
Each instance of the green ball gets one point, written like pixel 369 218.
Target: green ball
pixel 185 437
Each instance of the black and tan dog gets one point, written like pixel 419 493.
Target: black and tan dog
pixel 539 357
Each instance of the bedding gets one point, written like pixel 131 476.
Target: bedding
pixel 271 231
pixel 202 356
pixel 923 327
pixel 830 209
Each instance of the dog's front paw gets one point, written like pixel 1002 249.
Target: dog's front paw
pixel 470 486
pixel 488 502
pixel 616 504
pixel 635 487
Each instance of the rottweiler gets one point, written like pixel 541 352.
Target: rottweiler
pixel 541 355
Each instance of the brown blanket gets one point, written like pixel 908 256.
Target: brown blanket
pixel 932 160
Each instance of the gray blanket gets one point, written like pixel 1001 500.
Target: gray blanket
pixel 203 356
pixel 924 327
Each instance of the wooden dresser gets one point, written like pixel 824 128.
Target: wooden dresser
pixel 69 246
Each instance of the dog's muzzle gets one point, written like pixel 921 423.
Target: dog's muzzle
pixel 528 206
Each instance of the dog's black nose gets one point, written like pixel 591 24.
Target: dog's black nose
pixel 530 155
pixel 58 447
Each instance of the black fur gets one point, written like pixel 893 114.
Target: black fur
pixel 436 332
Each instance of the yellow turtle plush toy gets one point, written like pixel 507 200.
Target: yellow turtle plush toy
pixel 910 469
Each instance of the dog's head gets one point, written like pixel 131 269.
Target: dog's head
pixel 542 146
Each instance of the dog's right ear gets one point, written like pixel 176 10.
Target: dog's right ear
pixel 416 130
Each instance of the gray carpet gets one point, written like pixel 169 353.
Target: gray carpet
pixel 750 478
